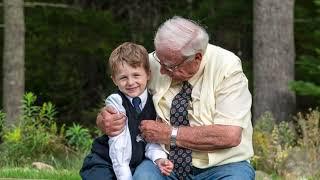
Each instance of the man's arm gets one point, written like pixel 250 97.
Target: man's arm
pixel 208 138
pixel 201 138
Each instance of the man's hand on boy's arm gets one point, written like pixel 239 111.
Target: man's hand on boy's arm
pixel 165 166
pixel 155 131
pixel 110 122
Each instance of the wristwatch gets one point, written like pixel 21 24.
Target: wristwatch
pixel 173 137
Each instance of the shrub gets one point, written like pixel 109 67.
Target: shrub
pixel 309 131
pixel 37 136
pixel 78 137
pixel 272 143
pixel 288 148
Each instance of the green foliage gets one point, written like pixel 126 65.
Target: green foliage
pixel 34 114
pixel 309 130
pixel 309 66
pixel 66 53
pixel 317 3
pixel 2 118
pixel 229 24
pixel 265 123
pixel 307 35
pixel 287 135
pixel 78 137
pixel 37 137
pixel 305 88
pixel 277 146
pixel 308 70
pixel 272 143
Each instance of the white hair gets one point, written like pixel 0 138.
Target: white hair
pixel 181 35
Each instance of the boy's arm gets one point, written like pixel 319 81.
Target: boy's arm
pixel 120 149
pixel 154 152
pixel 115 101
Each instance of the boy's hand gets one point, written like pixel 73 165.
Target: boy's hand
pixel 165 166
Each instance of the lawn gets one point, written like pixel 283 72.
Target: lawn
pixel 29 173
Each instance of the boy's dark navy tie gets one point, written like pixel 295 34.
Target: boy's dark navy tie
pixel 136 101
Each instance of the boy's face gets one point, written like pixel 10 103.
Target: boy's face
pixel 131 81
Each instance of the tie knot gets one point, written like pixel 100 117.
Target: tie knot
pixel 186 85
pixel 136 101
pixel 186 88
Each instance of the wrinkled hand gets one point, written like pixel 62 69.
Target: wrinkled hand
pixel 110 122
pixel 155 132
pixel 165 166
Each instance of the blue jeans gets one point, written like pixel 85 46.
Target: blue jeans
pixel 233 171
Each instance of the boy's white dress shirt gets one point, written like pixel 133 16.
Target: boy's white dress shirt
pixel 120 150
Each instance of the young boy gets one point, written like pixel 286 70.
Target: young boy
pixel 130 72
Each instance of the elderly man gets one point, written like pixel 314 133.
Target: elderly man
pixel 203 103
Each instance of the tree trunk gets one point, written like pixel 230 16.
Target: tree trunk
pixel 273 58
pixel 13 59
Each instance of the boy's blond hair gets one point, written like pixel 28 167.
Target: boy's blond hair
pixel 133 54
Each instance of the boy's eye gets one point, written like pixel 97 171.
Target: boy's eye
pixel 122 78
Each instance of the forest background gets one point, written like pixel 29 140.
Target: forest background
pixel 68 42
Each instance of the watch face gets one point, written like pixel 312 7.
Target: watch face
pixel 173 137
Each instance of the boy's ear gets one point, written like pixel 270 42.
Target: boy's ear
pixel 114 81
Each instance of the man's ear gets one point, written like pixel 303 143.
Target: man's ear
pixel 198 57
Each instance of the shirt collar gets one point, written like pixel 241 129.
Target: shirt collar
pixel 196 76
pixel 143 96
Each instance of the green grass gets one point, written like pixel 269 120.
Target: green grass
pixel 28 173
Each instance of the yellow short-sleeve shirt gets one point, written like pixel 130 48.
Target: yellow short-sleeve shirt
pixel 220 95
